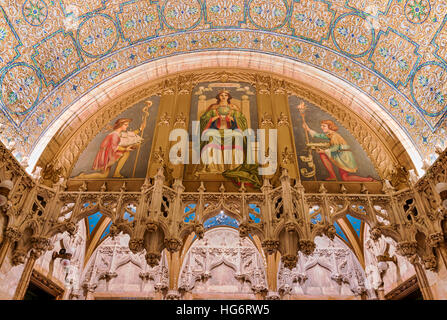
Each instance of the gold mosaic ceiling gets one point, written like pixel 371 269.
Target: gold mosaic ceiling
pixel 53 52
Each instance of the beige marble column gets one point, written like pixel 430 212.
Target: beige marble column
pixel 424 285
pixel 174 269
pixel 25 278
pixel 272 271
pixel 4 250
pixel 11 235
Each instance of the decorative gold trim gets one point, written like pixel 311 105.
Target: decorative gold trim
pixel 405 288
pixel 46 284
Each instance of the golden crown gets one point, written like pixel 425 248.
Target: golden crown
pixel 223 91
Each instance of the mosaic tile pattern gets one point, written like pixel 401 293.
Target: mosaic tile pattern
pixel 138 21
pixel 57 57
pixel 392 50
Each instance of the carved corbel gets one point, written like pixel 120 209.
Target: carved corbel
pixel 430 263
pixel 306 246
pixel 19 256
pixel 375 233
pixel 153 259
pixel 199 230
pixel 173 295
pixel 289 261
pixel 13 234
pixel 136 245
pixel 244 230
pixel 173 244
pixel 39 245
pixel 270 246
pixel 108 276
pixel 435 239
pixel 52 173
pixel 407 248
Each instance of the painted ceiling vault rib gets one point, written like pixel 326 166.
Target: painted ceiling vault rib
pixel 54 52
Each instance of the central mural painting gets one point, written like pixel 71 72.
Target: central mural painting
pixel 226 122
pixel 224 112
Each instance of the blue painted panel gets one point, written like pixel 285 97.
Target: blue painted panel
pixel 93 221
pixel 356 224
pixel 340 232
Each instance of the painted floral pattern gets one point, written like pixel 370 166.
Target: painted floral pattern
pixel 97 35
pixel 139 21
pixel 35 12
pixel 394 57
pixel 311 19
pixel 417 11
pixel 182 14
pixel 20 89
pixel 352 35
pixel 268 14
pixel 430 88
pixel 8 42
pixel 225 12
pixel 57 57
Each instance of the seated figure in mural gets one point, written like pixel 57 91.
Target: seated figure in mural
pixel 115 148
pixel 339 153
pixel 220 116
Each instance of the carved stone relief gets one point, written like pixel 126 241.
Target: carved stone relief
pixel 223 262
pixel 114 268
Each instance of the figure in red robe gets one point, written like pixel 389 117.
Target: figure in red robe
pixel 113 149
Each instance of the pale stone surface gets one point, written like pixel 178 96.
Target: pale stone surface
pixel 395 274
pixel 222 262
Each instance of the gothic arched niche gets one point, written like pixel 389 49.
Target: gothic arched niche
pixel 113 270
pixel 331 270
pixel 223 264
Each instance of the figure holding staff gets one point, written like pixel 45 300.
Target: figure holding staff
pixel 337 152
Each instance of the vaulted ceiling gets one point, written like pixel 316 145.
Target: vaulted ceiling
pixel 54 52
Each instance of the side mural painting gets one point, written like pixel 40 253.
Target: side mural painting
pixel 122 148
pixel 326 151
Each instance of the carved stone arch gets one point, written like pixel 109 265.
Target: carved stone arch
pixel 96 208
pixel 224 261
pixel 214 211
pixel 125 261
pixel 363 217
pixel 282 225
pixel 32 225
pixel 316 261
pixel 126 229
pixel 385 155
pixel 188 279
